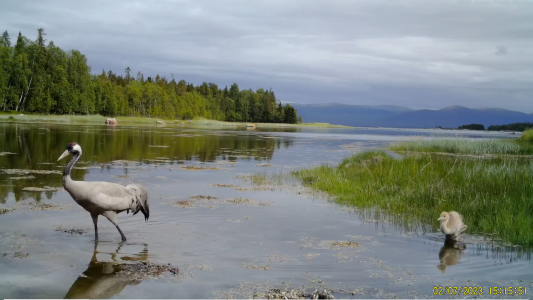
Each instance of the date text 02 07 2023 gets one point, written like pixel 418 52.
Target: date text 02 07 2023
pixel 478 291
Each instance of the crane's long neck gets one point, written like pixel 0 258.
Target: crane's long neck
pixel 71 163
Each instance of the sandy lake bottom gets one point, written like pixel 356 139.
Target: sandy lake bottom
pixel 228 236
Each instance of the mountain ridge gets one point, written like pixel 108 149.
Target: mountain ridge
pixel 404 117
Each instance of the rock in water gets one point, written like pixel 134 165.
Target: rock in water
pixel 111 121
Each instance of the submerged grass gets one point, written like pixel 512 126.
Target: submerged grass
pixel 474 147
pixel 494 194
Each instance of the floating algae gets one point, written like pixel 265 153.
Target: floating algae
pixel 311 255
pixel 71 230
pixel 243 201
pixel 26 172
pixel 344 244
pixel 294 294
pixel 15 255
pixel 202 197
pixel 22 177
pixel 315 289
pixel 223 185
pixel 256 267
pixel 4 210
pixel 38 189
pixel 126 162
pixel 197 168
pixel 45 206
pixel 145 270
pixel 184 203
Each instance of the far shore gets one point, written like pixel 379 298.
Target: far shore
pixel 98 119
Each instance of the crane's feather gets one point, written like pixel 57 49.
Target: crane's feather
pixel 106 196
pixel 141 195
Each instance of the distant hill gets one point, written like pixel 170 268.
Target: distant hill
pixel 400 116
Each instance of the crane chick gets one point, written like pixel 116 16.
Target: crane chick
pixel 103 198
pixel 451 224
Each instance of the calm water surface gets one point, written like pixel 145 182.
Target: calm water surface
pixel 278 237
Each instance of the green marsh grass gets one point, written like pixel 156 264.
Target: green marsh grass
pixel 462 146
pixel 495 195
pixel 527 135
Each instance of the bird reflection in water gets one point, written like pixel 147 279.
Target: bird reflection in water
pixel 100 280
pixel 450 254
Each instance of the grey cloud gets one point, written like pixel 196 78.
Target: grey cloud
pixel 427 54
pixel 501 50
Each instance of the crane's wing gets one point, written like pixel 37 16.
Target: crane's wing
pixel 455 216
pixel 109 196
pixel 456 221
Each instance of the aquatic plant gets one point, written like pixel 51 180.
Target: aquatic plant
pixel 493 194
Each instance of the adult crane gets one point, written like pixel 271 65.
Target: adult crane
pixel 103 198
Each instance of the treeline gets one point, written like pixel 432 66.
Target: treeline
pixel 472 127
pixel 36 77
pixel 512 126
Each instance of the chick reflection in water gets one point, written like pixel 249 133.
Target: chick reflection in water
pixel 450 254
pixel 100 280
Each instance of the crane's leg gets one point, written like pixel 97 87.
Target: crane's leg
pixel 95 221
pixel 111 216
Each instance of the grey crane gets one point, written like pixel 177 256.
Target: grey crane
pixel 103 198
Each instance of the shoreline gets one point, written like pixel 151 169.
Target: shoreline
pixel 100 120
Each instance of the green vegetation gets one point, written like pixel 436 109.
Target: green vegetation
pixel 474 147
pixel 527 135
pixel 494 195
pixel 36 77
pixel 472 127
pixel 513 127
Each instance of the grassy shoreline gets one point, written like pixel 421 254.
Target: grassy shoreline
pixel 495 194
pixel 98 119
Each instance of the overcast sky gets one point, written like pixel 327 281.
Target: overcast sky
pixel 421 54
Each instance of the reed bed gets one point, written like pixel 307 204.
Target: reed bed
pixel 495 195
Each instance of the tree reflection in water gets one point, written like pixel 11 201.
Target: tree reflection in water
pixel 37 146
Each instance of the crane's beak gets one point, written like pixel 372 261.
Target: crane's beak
pixel 63 155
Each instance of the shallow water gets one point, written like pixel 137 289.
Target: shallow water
pixel 276 236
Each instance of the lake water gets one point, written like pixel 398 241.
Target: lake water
pixel 251 237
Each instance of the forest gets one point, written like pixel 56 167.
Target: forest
pixel 41 78
pixel 512 126
pixel 472 127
